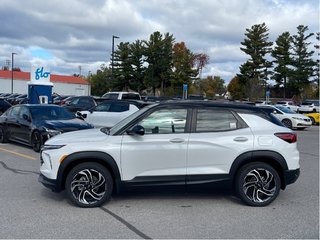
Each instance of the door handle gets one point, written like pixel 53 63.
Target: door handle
pixel 177 140
pixel 240 139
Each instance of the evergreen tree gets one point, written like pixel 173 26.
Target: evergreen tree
pixel 159 57
pixel 283 60
pixel 302 61
pixel 254 72
pixel 137 58
pixel 122 70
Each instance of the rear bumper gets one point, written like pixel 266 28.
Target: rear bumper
pixel 49 183
pixel 290 176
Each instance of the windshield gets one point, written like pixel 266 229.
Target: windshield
pixel 110 96
pixel 306 103
pixel 50 113
pixel 286 110
pixel 125 121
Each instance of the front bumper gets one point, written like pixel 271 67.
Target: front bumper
pixel 49 183
pixel 290 176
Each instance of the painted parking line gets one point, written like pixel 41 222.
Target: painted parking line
pixel 19 154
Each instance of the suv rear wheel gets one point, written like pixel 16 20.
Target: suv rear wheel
pixel 257 184
pixel 89 185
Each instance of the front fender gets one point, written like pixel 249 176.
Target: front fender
pixel 88 156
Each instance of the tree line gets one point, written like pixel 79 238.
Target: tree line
pixel 160 66
pixel 288 61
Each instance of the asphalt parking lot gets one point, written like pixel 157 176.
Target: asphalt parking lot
pixel 29 210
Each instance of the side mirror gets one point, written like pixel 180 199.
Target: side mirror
pixel 80 115
pixel 136 130
pixel 274 112
pixel 26 117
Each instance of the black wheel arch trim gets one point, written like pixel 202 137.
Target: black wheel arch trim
pixel 273 158
pixel 87 156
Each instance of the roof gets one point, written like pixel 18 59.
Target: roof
pixel 53 78
pixel 210 104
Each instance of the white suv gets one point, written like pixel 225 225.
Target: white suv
pixel 309 106
pixel 122 95
pixel 175 143
pixel 288 104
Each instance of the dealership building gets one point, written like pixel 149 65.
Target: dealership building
pixel 62 85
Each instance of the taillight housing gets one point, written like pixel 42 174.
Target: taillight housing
pixel 288 137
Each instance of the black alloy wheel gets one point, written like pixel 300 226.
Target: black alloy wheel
pixel 89 185
pixel 257 184
pixel 287 123
pixel 313 121
pixel 36 141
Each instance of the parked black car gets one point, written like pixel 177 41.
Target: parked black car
pixel 80 103
pixel 33 124
pixel 4 105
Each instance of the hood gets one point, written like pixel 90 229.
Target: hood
pixel 66 125
pixel 89 135
pixel 299 116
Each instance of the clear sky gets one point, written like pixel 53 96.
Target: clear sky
pixel 66 34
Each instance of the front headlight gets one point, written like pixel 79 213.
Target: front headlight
pixel 52 132
pixel 296 118
pixel 51 147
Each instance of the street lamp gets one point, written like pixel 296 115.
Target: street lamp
pixel 12 54
pixel 113 37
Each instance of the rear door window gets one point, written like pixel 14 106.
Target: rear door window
pixel 212 120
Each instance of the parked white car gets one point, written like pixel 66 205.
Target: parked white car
pixel 122 95
pixel 233 145
pixel 288 104
pixel 289 118
pixel 109 112
pixel 309 106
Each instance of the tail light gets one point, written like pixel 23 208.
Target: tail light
pixel 288 137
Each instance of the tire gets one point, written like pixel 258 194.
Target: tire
pixel 36 141
pixel 313 121
pixel 287 123
pixel 89 185
pixel 257 184
pixel 3 137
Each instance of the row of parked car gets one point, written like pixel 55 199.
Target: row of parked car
pixel 307 106
pixel 34 124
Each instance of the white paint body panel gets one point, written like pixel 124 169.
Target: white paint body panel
pixel 154 155
pixel 214 152
pixel 174 154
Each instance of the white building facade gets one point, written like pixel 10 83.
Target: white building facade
pixel 62 85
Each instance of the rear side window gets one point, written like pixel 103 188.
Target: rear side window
pixel 119 107
pixel 130 96
pixel 211 120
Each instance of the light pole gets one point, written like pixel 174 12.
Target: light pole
pixel 12 54
pixel 113 37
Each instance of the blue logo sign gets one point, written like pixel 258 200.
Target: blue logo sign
pixel 40 74
pixel 268 93
pixel 185 87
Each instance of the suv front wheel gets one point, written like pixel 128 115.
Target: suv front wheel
pixel 89 185
pixel 257 184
